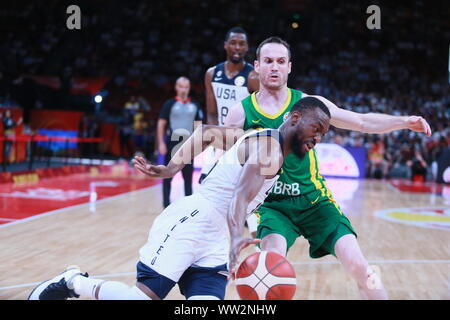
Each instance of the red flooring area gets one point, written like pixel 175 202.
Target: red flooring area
pixel 418 186
pixel 26 199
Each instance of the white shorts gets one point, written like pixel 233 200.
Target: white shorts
pixel 189 232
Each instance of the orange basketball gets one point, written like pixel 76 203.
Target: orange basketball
pixel 266 276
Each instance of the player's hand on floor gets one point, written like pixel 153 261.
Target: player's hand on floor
pixel 153 171
pixel 418 124
pixel 237 245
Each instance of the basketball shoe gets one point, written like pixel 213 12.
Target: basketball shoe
pixel 57 288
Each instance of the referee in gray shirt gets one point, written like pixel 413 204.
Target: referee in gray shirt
pixel 176 124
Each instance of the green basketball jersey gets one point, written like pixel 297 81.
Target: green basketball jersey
pixel 297 176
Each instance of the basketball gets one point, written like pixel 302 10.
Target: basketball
pixel 266 276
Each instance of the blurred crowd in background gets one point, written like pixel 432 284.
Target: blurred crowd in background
pixel 143 46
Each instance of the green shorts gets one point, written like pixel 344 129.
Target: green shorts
pixel 315 216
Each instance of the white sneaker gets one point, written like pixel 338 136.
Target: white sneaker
pixel 57 288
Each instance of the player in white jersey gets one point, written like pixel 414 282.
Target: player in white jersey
pixel 226 84
pixel 193 239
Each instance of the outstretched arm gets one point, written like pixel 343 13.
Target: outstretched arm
pixel 373 122
pixel 203 136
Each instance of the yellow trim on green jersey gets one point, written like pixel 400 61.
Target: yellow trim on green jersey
pixel 330 198
pixel 313 171
pixel 258 216
pixel 276 115
pixel 298 175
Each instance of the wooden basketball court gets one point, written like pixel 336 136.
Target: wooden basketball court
pixel 410 245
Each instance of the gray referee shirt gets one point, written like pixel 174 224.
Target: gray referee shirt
pixel 180 117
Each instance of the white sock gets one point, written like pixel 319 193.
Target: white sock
pixel 85 286
pixel 109 290
pixel 113 290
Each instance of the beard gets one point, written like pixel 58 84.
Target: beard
pixel 236 60
pixel 298 146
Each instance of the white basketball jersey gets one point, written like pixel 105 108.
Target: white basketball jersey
pixel 219 185
pixel 228 91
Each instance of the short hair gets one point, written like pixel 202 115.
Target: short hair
pixel 309 104
pixel 182 78
pixel 273 40
pixel 235 30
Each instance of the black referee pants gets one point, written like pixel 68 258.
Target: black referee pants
pixel 187 173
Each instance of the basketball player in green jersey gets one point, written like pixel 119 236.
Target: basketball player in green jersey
pixel 300 203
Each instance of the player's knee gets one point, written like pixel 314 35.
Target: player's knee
pixel 274 243
pixel 359 268
pixel 134 293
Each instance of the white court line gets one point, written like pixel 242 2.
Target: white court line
pixel 373 261
pixel 116 275
pixel 7 219
pixel 49 213
pixel 392 187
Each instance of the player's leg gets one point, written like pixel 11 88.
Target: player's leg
pixel 163 259
pixel 275 229
pixel 274 242
pixel 150 285
pixel 329 231
pixel 206 279
pixel 173 244
pixel 98 289
pixel 349 253
pixel 73 284
pixel 204 283
pixel 166 191
pixel 187 173
pixel 167 182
